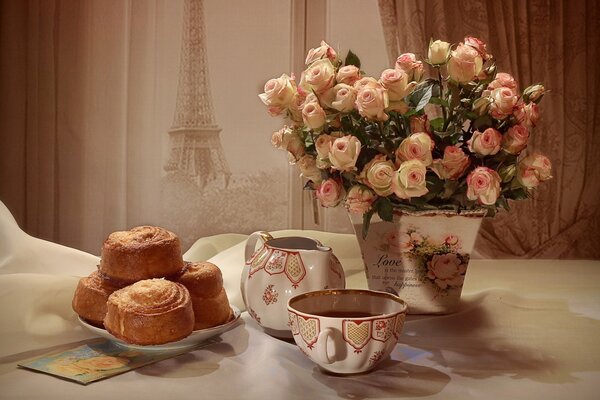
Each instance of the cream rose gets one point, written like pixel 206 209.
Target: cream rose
pixel 330 193
pixel 320 75
pixel 485 143
pixel 515 139
pixel 278 93
pixel 534 93
pixel 313 115
pixel 372 100
pixel 527 114
pixel 483 185
pixel 408 63
pixel 309 170
pixel 367 81
pixel 342 97
pixel 378 173
pixel 409 180
pixel 322 144
pixel 465 64
pixel 533 169
pixel 446 270
pixel 438 52
pixel 502 102
pixel 417 146
pixel 396 81
pixel 359 199
pixel 453 165
pixel 348 74
pixel 318 53
pixel 343 153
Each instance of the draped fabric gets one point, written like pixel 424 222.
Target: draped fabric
pixel 552 42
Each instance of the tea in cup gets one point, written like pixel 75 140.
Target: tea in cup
pixel 346 331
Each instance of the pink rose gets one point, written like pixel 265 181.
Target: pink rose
pixel 446 270
pixel 348 74
pixel 398 242
pixel 453 165
pixel 292 142
pixel 408 63
pixel 396 83
pixel 503 80
pixel 372 100
pixel 367 81
pixel 465 64
pixel 313 115
pixel 343 97
pixel 279 93
pixel 452 241
pixel 485 143
pixel 419 124
pixel 409 180
pixel 377 174
pixel 527 114
pixel 515 140
pixel 417 146
pixel 343 153
pixel 320 75
pixel 309 170
pixel 483 185
pixel 533 169
pixel 330 193
pixel 478 45
pixel 503 102
pixel 359 199
pixel 318 53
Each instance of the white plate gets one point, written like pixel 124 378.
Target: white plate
pixel 193 340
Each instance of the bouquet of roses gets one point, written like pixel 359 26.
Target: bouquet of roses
pixel 454 141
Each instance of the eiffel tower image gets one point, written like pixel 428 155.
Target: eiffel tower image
pixel 196 149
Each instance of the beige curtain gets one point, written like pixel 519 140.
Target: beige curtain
pixel 547 41
pixel 80 88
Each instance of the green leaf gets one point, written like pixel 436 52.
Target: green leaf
pixel 439 101
pixel 437 124
pixel 352 59
pixel 385 209
pixel 421 95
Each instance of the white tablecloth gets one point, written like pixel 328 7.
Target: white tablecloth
pixel 526 330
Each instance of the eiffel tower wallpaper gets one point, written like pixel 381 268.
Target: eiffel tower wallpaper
pixel 198 187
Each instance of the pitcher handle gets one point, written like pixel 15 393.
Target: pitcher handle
pixel 251 243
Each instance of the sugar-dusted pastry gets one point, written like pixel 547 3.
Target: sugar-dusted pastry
pixel 92 292
pixel 209 299
pixel 150 312
pixel 143 252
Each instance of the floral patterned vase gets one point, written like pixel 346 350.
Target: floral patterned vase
pixel 421 257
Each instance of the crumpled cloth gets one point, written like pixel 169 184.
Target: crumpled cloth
pixel 38 279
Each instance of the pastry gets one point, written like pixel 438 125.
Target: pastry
pixel 143 252
pixel 150 312
pixel 92 292
pixel 209 299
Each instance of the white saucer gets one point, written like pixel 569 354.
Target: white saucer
pixel 193 340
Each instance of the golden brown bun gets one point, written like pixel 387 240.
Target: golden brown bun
pixel 209 299
pixel 202 279
pixel 143 252
pixel 150 312
pixel 92 292
pixel 211 311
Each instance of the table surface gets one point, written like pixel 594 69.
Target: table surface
pixel 526 329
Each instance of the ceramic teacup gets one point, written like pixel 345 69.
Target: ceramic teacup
pixel 346 331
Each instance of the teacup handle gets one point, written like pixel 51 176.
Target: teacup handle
pixel 322 353
pixel 251 243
